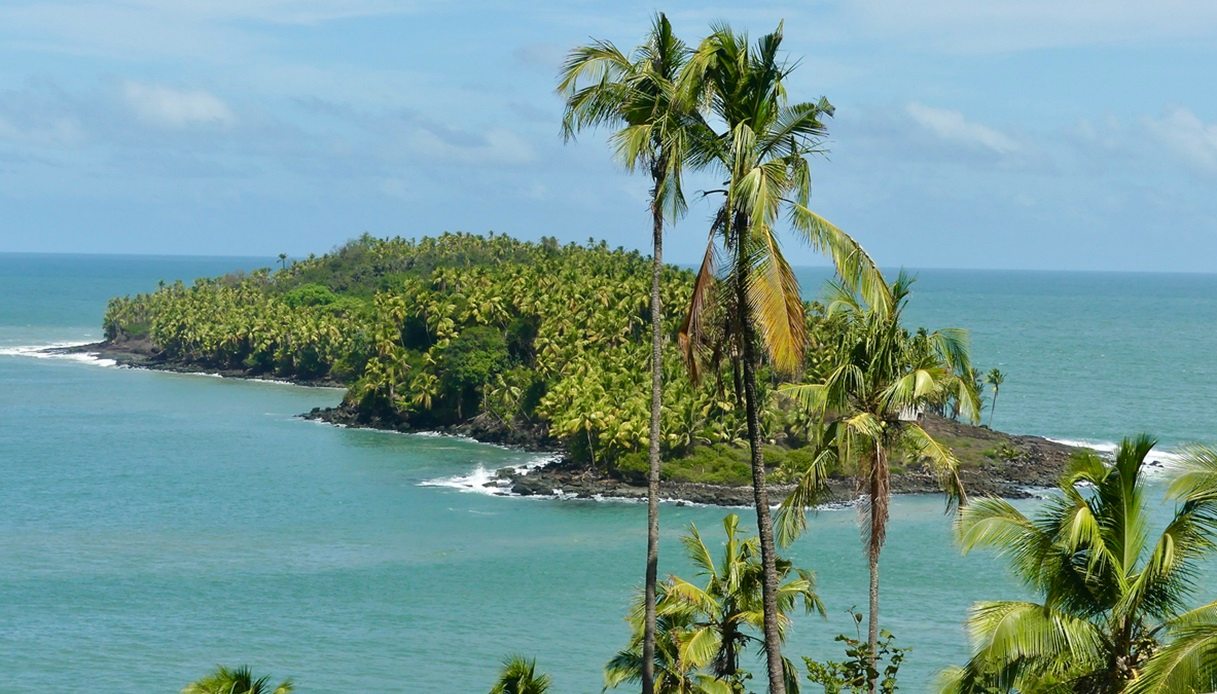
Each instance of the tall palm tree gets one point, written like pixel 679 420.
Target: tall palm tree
pixel 637 94
pixel 519 676
pixel 707 627
pixel 994 378
pixel 879 379
pixel 236 681
pixel 753 304
pixel 1108 595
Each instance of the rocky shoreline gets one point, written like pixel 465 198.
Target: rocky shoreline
pixel 144 354
pixel 1034 463
pixel 994 462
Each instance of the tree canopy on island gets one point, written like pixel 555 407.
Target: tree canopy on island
pixel 541 337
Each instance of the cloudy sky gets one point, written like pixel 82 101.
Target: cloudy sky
pixel 1005 134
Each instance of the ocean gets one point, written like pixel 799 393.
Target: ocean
pixel 153 525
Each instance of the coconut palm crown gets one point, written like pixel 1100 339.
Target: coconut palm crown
pixel 1111 614
pixel 519 676
pixel 238 680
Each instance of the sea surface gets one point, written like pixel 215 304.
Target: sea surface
pixel 153 525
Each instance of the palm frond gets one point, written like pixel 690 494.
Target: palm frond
pixel 1011 633
pixel 777 305
pixel 810 488
pixel 942 461
pixel 855 268
pixel 1188 663
pixel 692 334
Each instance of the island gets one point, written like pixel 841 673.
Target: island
pixel 537 345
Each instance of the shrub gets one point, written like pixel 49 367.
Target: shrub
pixel 310 295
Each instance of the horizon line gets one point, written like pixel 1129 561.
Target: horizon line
pixel 273 258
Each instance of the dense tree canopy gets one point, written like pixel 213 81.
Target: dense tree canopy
pixel 438 331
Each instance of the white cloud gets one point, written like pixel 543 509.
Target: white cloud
pixel 177 108
pixel 951 127
pixel 1185 135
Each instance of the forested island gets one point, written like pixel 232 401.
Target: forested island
pixel 538 345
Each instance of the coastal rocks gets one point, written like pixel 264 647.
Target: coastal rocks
pixel 485 429
pixel 992 463
pixel 141 353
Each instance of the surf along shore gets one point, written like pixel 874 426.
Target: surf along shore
pixel 992 462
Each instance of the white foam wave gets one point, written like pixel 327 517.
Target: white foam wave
pixel 459 437
pixel 483 480
pixel 272 381
pixel 1159 460
pixel 54 351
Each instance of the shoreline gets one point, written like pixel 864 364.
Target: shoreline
pixel 1034 462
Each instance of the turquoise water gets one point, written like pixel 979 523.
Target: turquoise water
pixel 153 524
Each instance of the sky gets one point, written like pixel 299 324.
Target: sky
pixel 1021 134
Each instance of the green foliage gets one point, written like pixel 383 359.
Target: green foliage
pixel 705 627
pixel 854 674
pixel 720 464
pixel 1003 451
pixel 1112 598
pixel 441 330
pixel 519 676
pixel 879 377
pixel 236 681
pixel 310 295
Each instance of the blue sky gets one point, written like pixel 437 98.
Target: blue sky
pixel 1004 134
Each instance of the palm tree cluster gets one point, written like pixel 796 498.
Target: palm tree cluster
pixel 722 106
pixel 533 336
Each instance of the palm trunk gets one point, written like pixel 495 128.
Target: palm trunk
pixel 992 407
pixel 737 383
pixel 878 489
pixel 872 632
pixel 769 585
pixel 648 639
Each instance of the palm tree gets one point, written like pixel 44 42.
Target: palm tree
pixel 1188 661
pixel 878 381
pixel 755 302
pixel 236 681
pixel 994 378
pixel 1108 596
pixel 638 94
pixel 707 627
pixel 519 676
pixel 283 261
